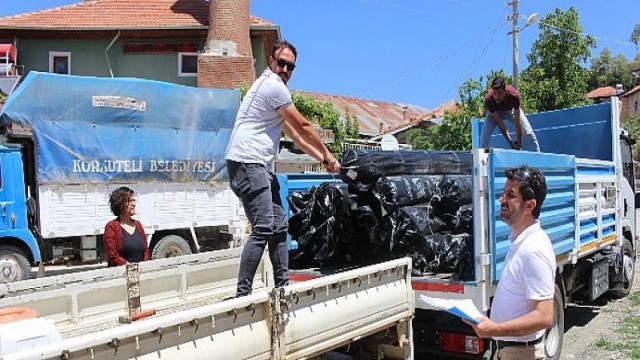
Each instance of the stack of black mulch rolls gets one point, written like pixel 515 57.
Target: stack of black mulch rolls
pixel 390 204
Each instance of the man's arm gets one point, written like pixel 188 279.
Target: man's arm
pixel 308 149
pixel 541 317
pixel 516 124
pixel 503 129
pixel 304 135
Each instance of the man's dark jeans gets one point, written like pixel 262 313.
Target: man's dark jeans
pixel 259 191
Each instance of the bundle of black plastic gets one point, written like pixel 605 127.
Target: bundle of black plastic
pixel 409 224
pixel 444 253
pixel 404 190
pixel 330 226
pixel 360 169
pixel 317 219
pixel 420 207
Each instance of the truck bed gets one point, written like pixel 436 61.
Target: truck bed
pixel 196 319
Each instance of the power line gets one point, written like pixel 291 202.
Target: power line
pixel 436 62
pixel 545 23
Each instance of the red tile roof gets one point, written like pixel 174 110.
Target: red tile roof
pixel 631 92
pixel 371 113
pixel 605 91
pixel 436 113
pixel 121 15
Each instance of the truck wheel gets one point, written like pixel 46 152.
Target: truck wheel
pixel 14 265
pixel 554 336
pixel 171 246
pixel 623 288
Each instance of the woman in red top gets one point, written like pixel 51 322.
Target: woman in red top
pixel 124 238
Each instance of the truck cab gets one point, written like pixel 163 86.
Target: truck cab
pixel 18 248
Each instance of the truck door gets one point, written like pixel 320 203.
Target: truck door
pixel 6 195
pixel 628 184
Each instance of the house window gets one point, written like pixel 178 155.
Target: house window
pixel 187 64
pixel 60 62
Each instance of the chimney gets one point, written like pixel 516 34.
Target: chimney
pixel 227 61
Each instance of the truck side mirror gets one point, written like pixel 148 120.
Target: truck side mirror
pixel 31 207
pixel 638 200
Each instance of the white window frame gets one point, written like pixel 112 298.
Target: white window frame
pixel 183 74
pixel 53 54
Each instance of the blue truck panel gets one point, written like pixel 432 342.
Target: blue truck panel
pixel 565 132
pixel 557 215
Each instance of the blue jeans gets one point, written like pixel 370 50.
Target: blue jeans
pixel 259 191
pixel 529 140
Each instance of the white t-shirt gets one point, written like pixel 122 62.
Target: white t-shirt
pixel 528 275
pixel 256 133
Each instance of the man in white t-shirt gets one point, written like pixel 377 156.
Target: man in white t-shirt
pixel 265 111
pixel 522 307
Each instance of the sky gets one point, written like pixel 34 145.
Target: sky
pixel 415 52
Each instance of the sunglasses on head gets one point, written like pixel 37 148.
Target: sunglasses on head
pixel 282 63
pixel 522 175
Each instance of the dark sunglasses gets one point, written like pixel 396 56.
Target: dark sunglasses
pixel 282 63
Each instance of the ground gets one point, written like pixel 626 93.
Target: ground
pixel 589 327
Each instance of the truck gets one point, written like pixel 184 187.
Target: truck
pixel 589 215
pixel 195 316
pixel 69 141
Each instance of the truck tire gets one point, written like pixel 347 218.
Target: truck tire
pixel 171 246
pixel 554 336
pixel 14 265
pixel 623 288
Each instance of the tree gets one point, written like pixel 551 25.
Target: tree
pixel 608 71
pixel 632 124
pixel 555 77
pixel 634 67
pixel 635 37
pixel 324 114
pixel 600 72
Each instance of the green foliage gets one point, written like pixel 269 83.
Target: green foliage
pixel 635 36
pixel 632 125
pixel 324 114
pixel 244 88
pixel 635 298
pixel 610 71
pixel 352 126
pixel 556 77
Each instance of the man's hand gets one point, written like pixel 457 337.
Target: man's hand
pixel 515 145
pixel 331 164
pixel 484 328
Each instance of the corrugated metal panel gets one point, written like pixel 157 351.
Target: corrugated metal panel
pixel 74 210
pixel 371 113
pixel 558 213
pixel 597 208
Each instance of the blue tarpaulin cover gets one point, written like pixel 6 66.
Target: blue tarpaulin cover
pixel 104 130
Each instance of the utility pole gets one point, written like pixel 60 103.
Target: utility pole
pixel 514 31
